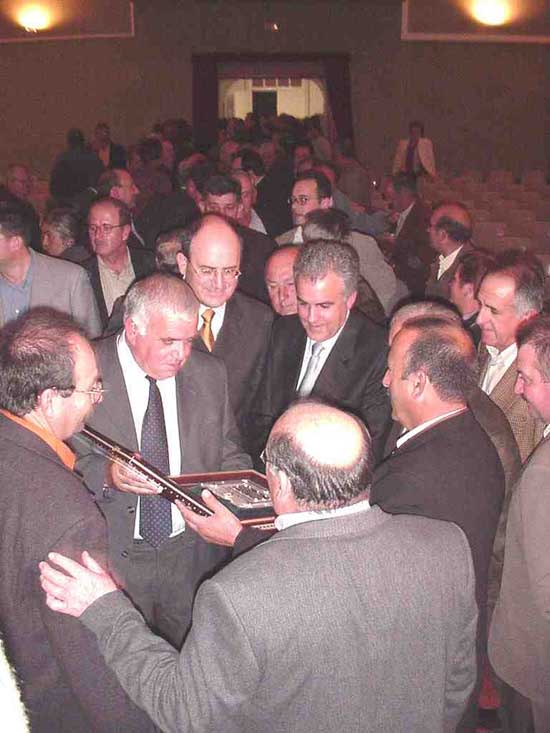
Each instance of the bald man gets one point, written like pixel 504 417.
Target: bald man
pixel 279 278
pixel 450 233
pixel 301 630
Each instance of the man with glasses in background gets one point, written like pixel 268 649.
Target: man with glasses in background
pixel 49 384
pixel 233 326
pixel 114 265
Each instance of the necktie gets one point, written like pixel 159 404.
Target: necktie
pixel 306 385
pixel 206 329
pixel 155 519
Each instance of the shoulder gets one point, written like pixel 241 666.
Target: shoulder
pixel 105 348
pixel 365 330
pixel 142 256
pixel 286 237
pixel 248 306
pixel 58 266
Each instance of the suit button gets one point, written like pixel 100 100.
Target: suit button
pixel 131 510
pixel 124 553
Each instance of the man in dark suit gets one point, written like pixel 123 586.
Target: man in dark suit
pixel 308 631
pixel 327 350
pixel 150 371
pixel 445 465
pixel 114 266
pixel 111 154
pixel 222 195
pixel 274 188
pixel 411 254
pixel 234 327
pixel 450 234
pixel 49 383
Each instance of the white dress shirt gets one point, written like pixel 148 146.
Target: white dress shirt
pixel 447 261
pixel 217 319
pixel 256 223
pixel 546 431
pixel 137 387
pixel 425 425
pixel 498 364
pixel 288 520
pixel 327 348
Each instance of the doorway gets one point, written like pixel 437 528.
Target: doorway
pixel 264 103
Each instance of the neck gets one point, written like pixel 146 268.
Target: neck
pixel 246 218
pixel 15 270
pixel 451 248
pixel 116 261
pixel 436 411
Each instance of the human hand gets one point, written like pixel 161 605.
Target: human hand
pixel 72 591
pixel 127 479
pixel 221 528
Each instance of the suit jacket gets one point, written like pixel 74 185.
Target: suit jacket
pixel 274 190
pixel 208 436
pixel 242 345
pixel 164 212
pixel 372 266
pixel 450 471
pixel 256 249
pixel 66 287
pixel 283 639
pixel 143 263
pixel 441 288
pixel 351 377
pixel 412 255
pixel 44 507
pixel 519 641
pixel 527 429
pixel 117 156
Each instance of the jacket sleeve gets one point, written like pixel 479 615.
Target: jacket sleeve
pixel 84 305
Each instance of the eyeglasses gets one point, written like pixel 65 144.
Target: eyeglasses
pixel 301 200
pixel 105 229
pixel 96 392
pixel 209 273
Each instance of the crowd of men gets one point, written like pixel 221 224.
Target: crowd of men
pixel 237 310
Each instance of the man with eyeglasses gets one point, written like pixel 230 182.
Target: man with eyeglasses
pixel 233 326
pixel 114 265
pixel 222 195
pixel 170 402
pixel 49 383
pixel 29 279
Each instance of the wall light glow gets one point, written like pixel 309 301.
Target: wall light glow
pixel 34 18
pixel 492 12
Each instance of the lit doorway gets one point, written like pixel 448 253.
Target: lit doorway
pixel 297 97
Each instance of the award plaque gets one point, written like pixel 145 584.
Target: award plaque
pixel 245 493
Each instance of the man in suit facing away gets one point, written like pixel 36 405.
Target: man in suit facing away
pixel 519 641
pixel 302 633
pixel 169 402
pixel 450 233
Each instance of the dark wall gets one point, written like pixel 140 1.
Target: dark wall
pixel 484 105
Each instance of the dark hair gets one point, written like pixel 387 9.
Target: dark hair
pixel 446 354
pixel 536 333
pixel 107 181
pixel 199 173
pixel 331 224
pixel 150 149
pixel 252 161
pixel 324 186
pixel 124 215
pixel 75 138
pixel 313 482
pixel 221 185
pixel 14 222
pixel 405 181
pixel 65 222
pixel 303 144
pixel 473 266
pixel 318 257
pixel 528 275
pixel 167 246
pixel 417 123
pixel 36 353
pixel 455 230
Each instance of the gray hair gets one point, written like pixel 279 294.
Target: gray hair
pixel 422 308
pixel 160 292
pixel 331 224
pixel 319 257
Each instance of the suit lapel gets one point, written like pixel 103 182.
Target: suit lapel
pixel 503 392
pixel 293 361
pixel 186 398
pixel 230 330
pixel 121 417
pixel 334 374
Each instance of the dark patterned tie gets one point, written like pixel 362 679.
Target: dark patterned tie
pixel 155 518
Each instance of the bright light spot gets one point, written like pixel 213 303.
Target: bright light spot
pixel 492 12
pixel 34 18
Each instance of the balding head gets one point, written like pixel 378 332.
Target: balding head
pixel 323 454
pixel 421 309
pixel 279 279
pixel 450 227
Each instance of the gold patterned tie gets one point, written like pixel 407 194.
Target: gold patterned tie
pixel 206 329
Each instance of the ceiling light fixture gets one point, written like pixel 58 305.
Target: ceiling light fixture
pixel 34 18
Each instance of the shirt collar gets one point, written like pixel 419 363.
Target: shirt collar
pixel 328 343
pixel 502 357
pixel 445 261
pixel 63 452
pixel 283 521
pixel 425 425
